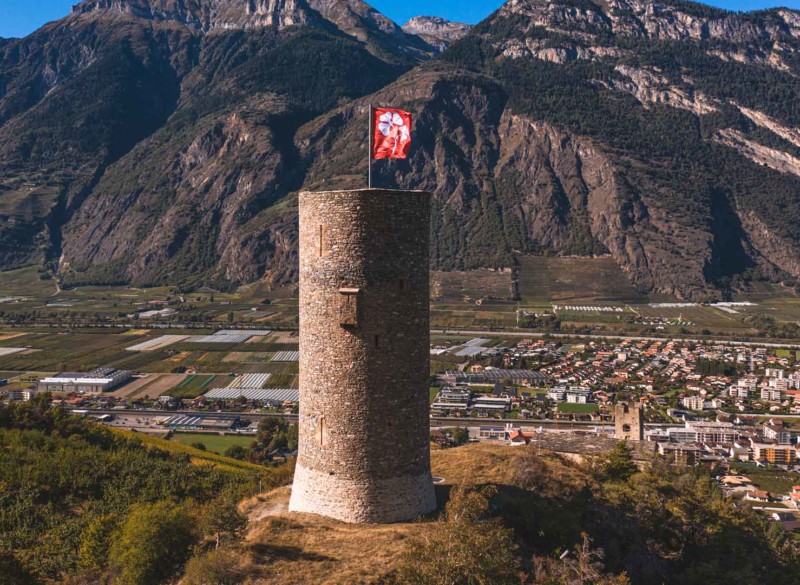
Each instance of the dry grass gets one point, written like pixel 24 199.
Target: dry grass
pixel 289 548
pixel 478 463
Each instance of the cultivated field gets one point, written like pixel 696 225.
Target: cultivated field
pixel 152 386
pixel 574 279
pixel 473 285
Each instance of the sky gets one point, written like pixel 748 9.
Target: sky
pixel 19 18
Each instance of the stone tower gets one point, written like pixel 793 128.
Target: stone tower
pixel 629 421
pixel 364 451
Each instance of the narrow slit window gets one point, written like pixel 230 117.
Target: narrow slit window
pixel 321 241
pixel 348 307
pixel 377 341
pixel 322 433
pixel 403 284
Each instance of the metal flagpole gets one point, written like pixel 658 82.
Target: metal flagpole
pixel 369 154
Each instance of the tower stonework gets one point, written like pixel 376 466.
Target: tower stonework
pixel 629 421
pixel 364 454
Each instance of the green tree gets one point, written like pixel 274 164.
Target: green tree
pixel 460 435
pixel 470 548
pixel 236 452
pixel 152 544
pixel 223 521
pixel 95 541
pixel 619 464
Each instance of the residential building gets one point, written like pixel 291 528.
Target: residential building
pixel 21 395
pixel 693 402
pixel 774 454
pixel 704 432
pixel 776 431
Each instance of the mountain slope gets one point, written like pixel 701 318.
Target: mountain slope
pixel 79 95
pixel 666 134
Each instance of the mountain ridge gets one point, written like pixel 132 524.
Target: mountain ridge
pixel 664 134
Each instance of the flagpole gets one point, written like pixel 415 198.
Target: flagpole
pixel 369 154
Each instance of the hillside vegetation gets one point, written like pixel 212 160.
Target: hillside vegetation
pixel 78 500
pixel 507 516
pixel 81 504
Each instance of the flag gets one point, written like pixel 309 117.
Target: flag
pixel 391 133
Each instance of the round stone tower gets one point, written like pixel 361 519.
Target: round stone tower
pixel 364 454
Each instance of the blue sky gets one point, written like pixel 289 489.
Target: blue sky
pixel 19 18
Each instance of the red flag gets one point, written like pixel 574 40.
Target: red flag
pixel 391 133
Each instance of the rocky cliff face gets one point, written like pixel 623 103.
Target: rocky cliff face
pixel 209 15
pixel 161 141
pixel 437 31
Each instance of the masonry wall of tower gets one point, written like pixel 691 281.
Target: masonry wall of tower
pixel 629 421
pixel 364 451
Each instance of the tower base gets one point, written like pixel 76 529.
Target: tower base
pixel 373 501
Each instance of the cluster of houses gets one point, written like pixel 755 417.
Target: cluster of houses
pixel 668 373
pixel 777 389
pixel 697 441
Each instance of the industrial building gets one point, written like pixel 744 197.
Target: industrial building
pixel 95 382
pixel 200 423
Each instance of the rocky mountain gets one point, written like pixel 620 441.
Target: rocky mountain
pixel 156 141
pixel 662 134
pixel 437 31
pixel 113 119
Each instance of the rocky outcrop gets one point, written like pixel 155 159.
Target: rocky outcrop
pixel 791 135
pixel 208 15
pixel 774 249
pixel 655 20
pixel 651 87
pixel 562 53
pixel 758 153
pixel 437 32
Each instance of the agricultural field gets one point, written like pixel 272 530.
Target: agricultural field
pixel 774 481
pixel 193 386
pixel 151 386
pixel 697 317
pixel 462 315
pixel 542 280
pixel 473 285
pixel 24 282
pixel 83 350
